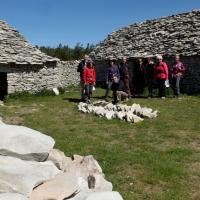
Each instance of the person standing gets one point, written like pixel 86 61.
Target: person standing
pixel 124 75
pixel 80 68
pixel 112 76
pixel 150 75
pixel 177 71
pixel 89 79
pixel 139 77
pixel 161 75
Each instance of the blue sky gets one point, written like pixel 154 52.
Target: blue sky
pixel 50 22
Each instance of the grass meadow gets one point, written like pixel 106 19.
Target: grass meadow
pixel 156 159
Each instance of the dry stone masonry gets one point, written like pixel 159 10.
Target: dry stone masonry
pixel 16 50
pixel 176 34
pixel 34 78
pixel 30 169
pixel 132 114
pixel 23 67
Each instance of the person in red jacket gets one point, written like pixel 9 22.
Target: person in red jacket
pixel 161 75
pixel 89 79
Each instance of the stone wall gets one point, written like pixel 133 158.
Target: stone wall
pixel 176 34
pixel 189 84
pixel 34 78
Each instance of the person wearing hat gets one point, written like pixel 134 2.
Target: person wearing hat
pixel 89 79
pixel 177 71
pixel 161 75
pixel 80 68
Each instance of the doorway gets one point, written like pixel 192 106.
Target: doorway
pixel 3 85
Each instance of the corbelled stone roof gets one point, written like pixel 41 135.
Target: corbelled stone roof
pixel 176 34
pixel 15 49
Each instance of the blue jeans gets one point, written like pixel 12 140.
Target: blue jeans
pixel 109 85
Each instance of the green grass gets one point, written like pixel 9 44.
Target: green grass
pixel 156 159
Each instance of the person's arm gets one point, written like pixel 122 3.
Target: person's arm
pixel 94 71
pixel 84 74
pixel 166 71
pixel 154 70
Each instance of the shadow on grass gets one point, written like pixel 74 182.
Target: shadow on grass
pixel 74 100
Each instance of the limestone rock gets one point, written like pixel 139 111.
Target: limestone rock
pixel 59 159
pixel 12 196
pixel 24 143
pixel 61 187
pixel 21 176
pixel 98 196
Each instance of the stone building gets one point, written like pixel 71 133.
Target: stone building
pixel 176 34
pixel 23 67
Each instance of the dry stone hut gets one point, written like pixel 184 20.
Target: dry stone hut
pixel 23 67
pixel 176 34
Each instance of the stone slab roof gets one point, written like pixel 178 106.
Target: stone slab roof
pixel 15 49
pixel 176 34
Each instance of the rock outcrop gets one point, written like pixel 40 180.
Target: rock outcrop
pixel 176 34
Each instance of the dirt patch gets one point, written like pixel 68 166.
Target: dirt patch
pixel 15 120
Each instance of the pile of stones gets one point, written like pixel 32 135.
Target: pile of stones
pixel 132 114
pixel 31 169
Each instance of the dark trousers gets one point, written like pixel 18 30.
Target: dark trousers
pixel 150 84
pixel 88 91
pixel 126 84
pixel 176 85
pixel 161 88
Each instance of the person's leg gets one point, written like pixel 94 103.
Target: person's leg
pixel 174 86
pixel 150 87
pixel 159 88
pixel 82 90
pixel 178 85
pixel 90 91
pixel 163 88
pixel 86 93
pixel 108 89
pixel 126 82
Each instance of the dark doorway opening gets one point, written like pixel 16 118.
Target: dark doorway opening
pixel 3 85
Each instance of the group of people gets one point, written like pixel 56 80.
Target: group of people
pixel 125 85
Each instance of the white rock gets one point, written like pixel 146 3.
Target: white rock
pixel 60 160
pixel 61 187
pixel 21 176
pixel 56 91
pixel 24 143
pixel 121 115
pixel 12 196
pixel 109 114
pixel 98 196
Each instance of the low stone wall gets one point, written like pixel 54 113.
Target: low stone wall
pixel 189 84
pixel 34 78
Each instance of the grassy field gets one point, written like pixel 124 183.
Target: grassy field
pixel 155 159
